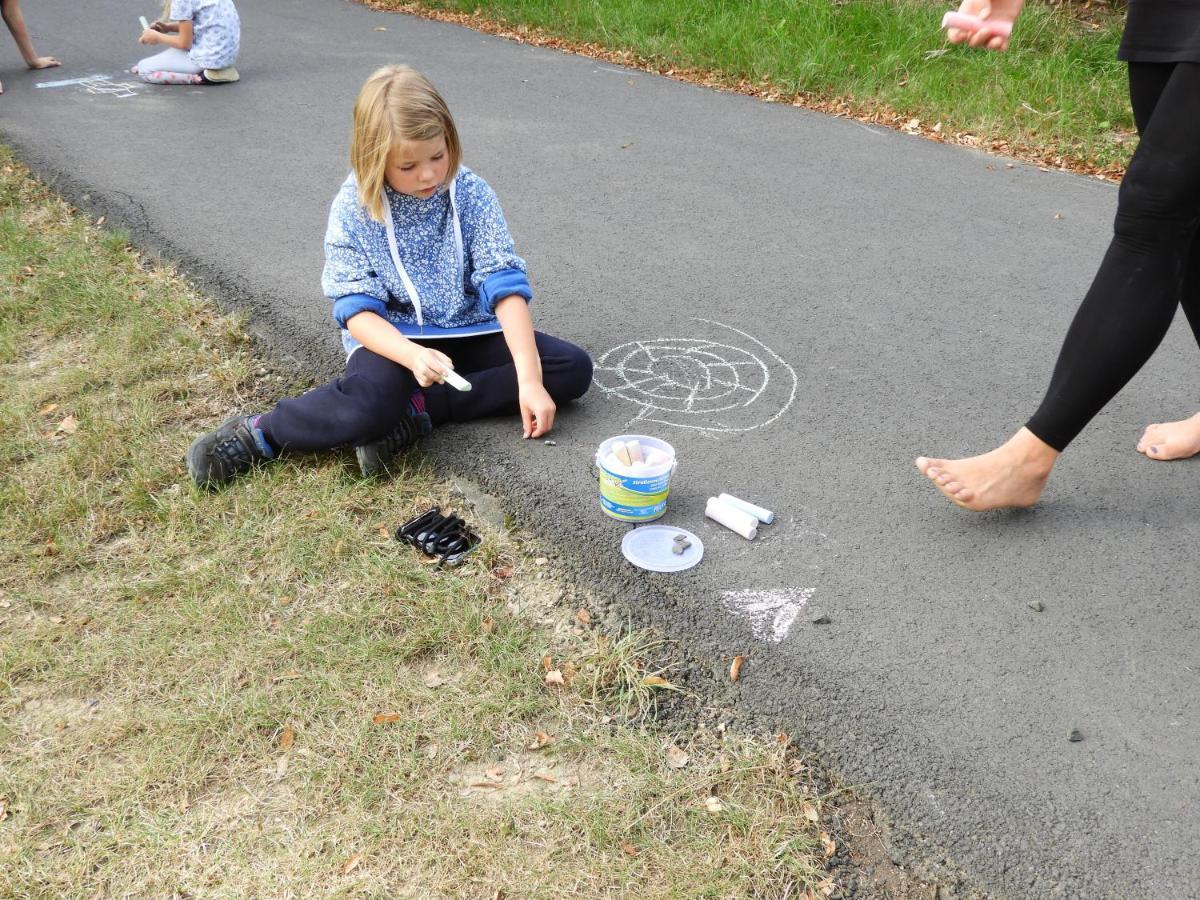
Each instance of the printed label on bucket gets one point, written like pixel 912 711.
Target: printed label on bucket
pixel 635 498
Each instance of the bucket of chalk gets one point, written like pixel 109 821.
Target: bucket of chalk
pixel 635 476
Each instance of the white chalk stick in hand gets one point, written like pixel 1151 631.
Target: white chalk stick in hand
pixel 763 515
pixel 145 24
pixel 456 381
pixel 732 518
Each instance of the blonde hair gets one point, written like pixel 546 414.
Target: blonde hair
pixel 396 104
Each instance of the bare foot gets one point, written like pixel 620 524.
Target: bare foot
pixel 44 62
pixel 1013 474
pixel 1171 440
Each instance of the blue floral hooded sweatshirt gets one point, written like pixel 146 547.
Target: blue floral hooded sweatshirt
pixel 359 273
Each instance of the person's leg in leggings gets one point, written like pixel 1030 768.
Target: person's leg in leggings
pixel 1181 439
pixel 171 66
pixel 485 361
pixel 363 405
pixel 1126 312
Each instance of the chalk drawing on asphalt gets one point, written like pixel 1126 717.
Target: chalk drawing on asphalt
pixel 725 381
pixel 770 613
pixel 97 84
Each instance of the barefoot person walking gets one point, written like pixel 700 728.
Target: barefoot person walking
pixel 1152 265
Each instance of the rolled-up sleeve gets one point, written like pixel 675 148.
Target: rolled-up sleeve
pixel 348 278
pixel 496 270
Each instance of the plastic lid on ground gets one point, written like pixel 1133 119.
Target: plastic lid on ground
pixel 652 547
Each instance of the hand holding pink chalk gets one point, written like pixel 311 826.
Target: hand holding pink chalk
pixel 973 24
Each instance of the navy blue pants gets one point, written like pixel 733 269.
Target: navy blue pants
pixel 367 401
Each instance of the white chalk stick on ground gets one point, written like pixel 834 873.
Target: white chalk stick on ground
pixel 763 515
pixel 456 381
pixel 732 518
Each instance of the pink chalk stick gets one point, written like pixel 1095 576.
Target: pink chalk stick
pixel 972 24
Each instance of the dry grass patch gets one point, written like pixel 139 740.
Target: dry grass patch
pixel 258 692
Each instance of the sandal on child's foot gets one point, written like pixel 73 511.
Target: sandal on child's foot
pixel 375 457
pixel 216 458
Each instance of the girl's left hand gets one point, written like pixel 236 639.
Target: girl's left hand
pixel 537 410
pixel 149 36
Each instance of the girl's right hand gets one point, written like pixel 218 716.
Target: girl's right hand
pixel 149 36
pixel 429 366
pixel 996 10
pixel 159 26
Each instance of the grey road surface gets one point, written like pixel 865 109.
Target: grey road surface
pixel 800 305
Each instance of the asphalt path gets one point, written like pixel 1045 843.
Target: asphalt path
pixel 800 305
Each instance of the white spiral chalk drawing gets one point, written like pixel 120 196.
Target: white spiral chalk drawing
pixel 733 385
pixel 770 613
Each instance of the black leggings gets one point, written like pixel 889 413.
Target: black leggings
pixel 1152 264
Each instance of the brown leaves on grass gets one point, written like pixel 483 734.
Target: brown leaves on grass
pixel 287 737
pixel 583 617
pixel 352 863
pixel 3 808
pixel 502 571
pixel 676 758
pixel 735 669
pixel 555 678
pixel 69 425
pixel 540 740
pixel 385 718
pixel 657 681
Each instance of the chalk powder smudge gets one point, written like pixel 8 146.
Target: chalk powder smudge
pixel 770 613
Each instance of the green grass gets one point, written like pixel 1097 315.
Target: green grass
pixel 259 693
pixel 1058 91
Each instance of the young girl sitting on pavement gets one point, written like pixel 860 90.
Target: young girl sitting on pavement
pixel 423 276
pixel 201 39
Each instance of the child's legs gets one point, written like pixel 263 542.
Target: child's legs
pixel 366 403
pixel 172 59
pixel 486 362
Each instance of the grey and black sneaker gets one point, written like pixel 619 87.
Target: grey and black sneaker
pixel 376 457
pixel 216 458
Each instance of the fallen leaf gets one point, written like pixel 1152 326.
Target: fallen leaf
pixel 735 670
pixel 384 533
pixel 287 737
pixel 583 617
pixel 69 425
pixel 3 808
pixel 676 758
pixel 545 776
pixel 540 740
pixel 782 738
pixel 385 718
pixel 47 409
pixel 554 676
pixel 351 864
pixel 488 624
pixel 656 681
pixel 713 805
pixel 828 844
pixel 547 662
pixel 629 849
pixel 503 571
pixel 811 813
pixel 484 784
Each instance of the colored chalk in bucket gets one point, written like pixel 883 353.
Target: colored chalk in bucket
pixel 634 492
